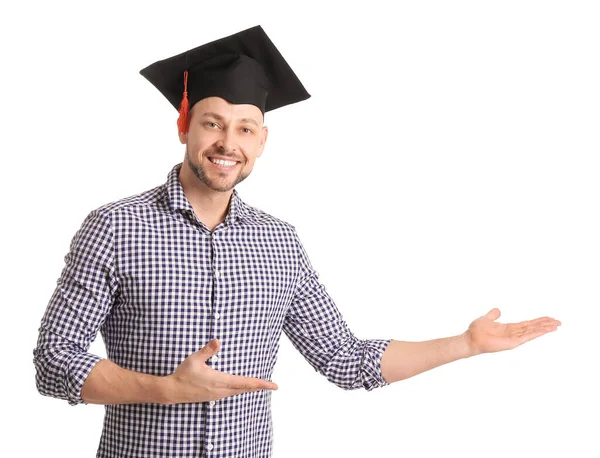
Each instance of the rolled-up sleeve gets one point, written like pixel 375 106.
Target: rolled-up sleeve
pixel 317 329
pixel 77 309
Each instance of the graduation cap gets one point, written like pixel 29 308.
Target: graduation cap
pixel 244 68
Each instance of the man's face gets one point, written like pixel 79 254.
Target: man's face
pixel 222 130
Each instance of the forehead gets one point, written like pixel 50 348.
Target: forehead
pixel 227 110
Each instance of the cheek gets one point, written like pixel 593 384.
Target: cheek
pixel 197 146
pixel 251 146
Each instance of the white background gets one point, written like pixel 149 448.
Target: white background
pixel 447 163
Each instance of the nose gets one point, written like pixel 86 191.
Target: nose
pixel 226 142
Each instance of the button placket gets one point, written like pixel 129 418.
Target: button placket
pixel 209 413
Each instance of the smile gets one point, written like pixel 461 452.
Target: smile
pixel 221 164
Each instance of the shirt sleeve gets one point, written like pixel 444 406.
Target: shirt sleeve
pixel 78 307
pixel 317 329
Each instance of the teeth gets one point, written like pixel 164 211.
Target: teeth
pixel 220 162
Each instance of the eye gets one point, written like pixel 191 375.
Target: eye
pixel 247 130
pixel 212 125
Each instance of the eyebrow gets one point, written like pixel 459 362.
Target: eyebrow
pixel 212 114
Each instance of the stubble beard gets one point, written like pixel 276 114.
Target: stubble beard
pixel 219 184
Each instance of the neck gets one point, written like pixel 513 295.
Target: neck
pixel 210 206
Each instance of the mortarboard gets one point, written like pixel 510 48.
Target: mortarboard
pixel 242 68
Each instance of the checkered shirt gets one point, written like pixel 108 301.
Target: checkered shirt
pixel 159 285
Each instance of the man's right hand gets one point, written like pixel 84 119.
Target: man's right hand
pixel 194 381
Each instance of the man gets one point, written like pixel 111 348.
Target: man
pixel 191 287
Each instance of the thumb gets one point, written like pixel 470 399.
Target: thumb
pixel 210 349
pixel 493 314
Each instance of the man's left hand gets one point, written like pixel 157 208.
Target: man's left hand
pixel 485 335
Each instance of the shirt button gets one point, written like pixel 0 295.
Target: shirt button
pixel 212 403
pixel 215 358
pixel 217 315
pixel 217 274
pixel 209 447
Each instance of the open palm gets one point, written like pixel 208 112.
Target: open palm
pixel 485 335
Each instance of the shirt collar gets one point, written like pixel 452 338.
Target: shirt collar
pixel 178 202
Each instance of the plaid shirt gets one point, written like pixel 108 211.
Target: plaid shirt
pixel 159 285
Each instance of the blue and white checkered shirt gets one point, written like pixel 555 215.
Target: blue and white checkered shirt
pixel 159 285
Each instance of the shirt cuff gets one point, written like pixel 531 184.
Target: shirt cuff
pixel 371 367
pixel 77 372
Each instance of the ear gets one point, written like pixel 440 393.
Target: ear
pixel 263 140
pixel 183 137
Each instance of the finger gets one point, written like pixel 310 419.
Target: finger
pixel 548 324
pixel 533 334
pixel 224 393
pixel 552 321
pixel 543 325
pixel 493 314
pixel 532 328
pixel 525 326
pixel 530 322
pixel 209 349
pixel 234 391
pixel 246 383
pixel 543 321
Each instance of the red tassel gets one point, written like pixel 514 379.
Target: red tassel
pixel 183 121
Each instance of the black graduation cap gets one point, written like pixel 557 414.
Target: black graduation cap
pixel 244 68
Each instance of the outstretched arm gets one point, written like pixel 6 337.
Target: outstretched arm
pixel 402 360
pixel 318 331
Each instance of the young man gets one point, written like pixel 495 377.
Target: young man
pixel 191 287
